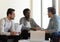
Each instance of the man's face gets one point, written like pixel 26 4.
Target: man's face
pixel 49 14
pixel 27 14
pixel 12 15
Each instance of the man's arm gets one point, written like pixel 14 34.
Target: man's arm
pixel 35 26
pixel 2 32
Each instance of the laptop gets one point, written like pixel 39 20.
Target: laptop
pixel 37 36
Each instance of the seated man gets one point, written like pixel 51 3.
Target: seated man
pixel 53 24
pixel 28 23
pixel 7 25
pixel 57 34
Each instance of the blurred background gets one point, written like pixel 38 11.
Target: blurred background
pixel 38 9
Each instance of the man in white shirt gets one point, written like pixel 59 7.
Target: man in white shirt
pixel 7 25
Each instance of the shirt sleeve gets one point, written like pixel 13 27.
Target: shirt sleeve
pixel 2 32
pixel 34 23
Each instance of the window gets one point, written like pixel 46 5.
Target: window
pixel 57 10
pixel 45 19
pixel 18 5
pixel 36 11
pixel 40 12
pixel 38 8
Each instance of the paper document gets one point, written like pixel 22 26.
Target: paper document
pixel 18 29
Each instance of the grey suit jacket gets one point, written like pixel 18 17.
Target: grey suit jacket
pixel 53 24
pixel 24 22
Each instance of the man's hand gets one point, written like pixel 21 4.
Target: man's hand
pixel 47 31
pixel 35 29
pixel 13 33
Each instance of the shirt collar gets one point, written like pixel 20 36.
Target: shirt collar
pixel 54 16
pixel 8 20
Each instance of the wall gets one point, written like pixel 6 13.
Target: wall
pixel 18 5
pixel 59 7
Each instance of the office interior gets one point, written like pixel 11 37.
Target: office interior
pixel 38 10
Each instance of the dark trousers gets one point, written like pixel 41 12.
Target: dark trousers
pixel 49 35
pixel 56 36
pixel 23 35
pixel 3 38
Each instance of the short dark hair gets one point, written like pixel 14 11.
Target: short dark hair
pixel 52 9
pixel 9 11
pixel 25 10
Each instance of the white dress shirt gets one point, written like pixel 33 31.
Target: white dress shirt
pixel 28 24
pixel 5 26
